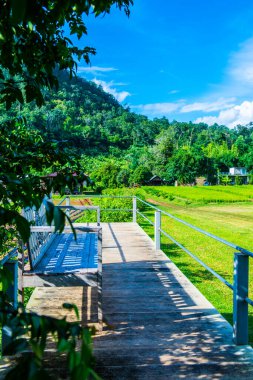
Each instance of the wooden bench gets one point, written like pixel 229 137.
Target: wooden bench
pixel 56 259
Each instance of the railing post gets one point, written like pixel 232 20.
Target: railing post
pixel 67 204
pixel 12 291
pixel 240 310
pixel 12 294
pixel 21 271
pixel 157 230
pixel 134 210
pixel 98 216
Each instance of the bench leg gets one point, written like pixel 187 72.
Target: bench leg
pixel 100 310
pixel 20 276
pixel 12 293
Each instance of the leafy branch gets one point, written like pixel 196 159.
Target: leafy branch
pixel 30 334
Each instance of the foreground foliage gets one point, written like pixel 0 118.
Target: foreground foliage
pixel 30 333
pixel 33 48
pixel 33 43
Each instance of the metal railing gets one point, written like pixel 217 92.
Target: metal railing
pixel 240 284
pixel 68 206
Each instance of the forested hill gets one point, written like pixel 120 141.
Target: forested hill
pixel 90 119
pixel 118 147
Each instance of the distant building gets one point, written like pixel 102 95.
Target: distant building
pixel 82 183
pixel 239 173
pixel 201 181
pixel 156 181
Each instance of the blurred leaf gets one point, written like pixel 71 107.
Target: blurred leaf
pixel 70 306
pixel 59 219
pixel 18 8
pixel 10 217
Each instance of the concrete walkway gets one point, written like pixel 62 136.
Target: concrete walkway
pixel 157 324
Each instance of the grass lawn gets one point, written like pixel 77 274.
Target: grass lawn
pixel 233 222
pixel 203 194
pixel 225 211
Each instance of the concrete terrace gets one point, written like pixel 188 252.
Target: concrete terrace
pixel 157 324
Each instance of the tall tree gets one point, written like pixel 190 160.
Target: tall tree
pixel 33 47
pixel 33 43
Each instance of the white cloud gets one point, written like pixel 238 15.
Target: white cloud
pixel 95 69
pixel 239 114
pixel 209 106
pixel 158 108
pixel 240 68
pixel 238 75
pixel 172 92
pixel 120 84
pixel 232 98
pixel 107 87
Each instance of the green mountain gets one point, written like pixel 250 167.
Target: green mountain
pixel 114 143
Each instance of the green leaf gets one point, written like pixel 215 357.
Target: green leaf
pixel 30 25
pixel 18 8
pixel 70 306
pixel 6 279
pixel 10 217
pixel 16 346
pixel 30 93
pixel 71 226
pixel 49 211
pixel 59 219
pixel 94 375
pixel 63 345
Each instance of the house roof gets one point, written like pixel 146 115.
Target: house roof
pixel 155 177
pixel 54 174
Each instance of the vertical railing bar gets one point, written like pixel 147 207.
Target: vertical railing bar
pixel 12 295
pixel 134 210
pixel 99 281
pixel 157 230
pixel 98 216
pixel 67 204
pixel 240 305
pixel 20 270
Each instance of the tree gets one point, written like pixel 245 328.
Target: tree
pixel 33 43
pixel 33 49
pixel 225 180
pixel 140 175
pixel 25 25
pixel 184 166
pixel 223 155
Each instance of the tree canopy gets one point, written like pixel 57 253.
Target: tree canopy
pixel 33 43
pixel 34 50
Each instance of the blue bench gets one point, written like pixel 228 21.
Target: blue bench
pixel 60 260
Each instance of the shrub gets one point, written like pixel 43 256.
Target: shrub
pixel 238 180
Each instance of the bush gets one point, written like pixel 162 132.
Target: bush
pixel 111 207
pixel 238 180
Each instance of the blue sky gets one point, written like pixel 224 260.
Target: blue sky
pixel 189 60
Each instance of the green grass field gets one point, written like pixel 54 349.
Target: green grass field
pixel 226 211
pixel 230 220
pixel 203 194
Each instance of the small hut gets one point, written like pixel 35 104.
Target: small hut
pixel 155 181
pixel 75 182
